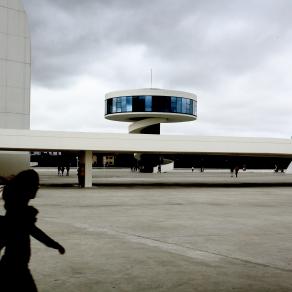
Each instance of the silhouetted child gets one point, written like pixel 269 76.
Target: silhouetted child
pixel 16 227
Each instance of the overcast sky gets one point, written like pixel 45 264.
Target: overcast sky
pixel 235 55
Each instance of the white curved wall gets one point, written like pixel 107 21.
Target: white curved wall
pixel 137 127
pixel 167 117
pixel 15 79
pixel 150 91
pixel 15 66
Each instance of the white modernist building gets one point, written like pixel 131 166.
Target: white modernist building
pixel 144 108
pixel 15 72
pixel 27 140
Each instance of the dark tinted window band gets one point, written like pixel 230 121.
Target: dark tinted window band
pixel 148 103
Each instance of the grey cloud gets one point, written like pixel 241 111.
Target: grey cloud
pixel 219 49
pixel 215 36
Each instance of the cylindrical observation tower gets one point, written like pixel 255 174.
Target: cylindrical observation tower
pixel 146 109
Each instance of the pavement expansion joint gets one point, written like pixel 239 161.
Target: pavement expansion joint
pixel 203 255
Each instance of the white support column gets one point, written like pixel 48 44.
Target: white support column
pixel 88 169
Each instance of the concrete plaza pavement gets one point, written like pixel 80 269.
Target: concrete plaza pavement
pixel 165 237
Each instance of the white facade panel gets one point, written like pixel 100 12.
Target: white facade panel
pixel 15 4
pixel 23 25
pixel 15 102
pixel 2 99
pixel 3 46
pixel 15 120
pixel 13 22
pixel 1 121
pixel 27 101
pixel 3 19
pixel 27 51
pixel 16 48
pixel 2 72
pixel 3 3
pixel 15 75
pixel 27 78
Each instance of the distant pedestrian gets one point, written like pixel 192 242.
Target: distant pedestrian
pixel 62 169
pixel 231 171
pixel 192 169
pixel 159 168
pixel 67 169
pixel 236 170
pixel 81 175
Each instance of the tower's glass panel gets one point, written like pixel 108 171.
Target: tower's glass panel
pixel 191 107
pixel 155 104
pixel 148 103
pixel 109 106
pixel 188 106
pixel 167 104
pixel 173 104
pixel 161 104
pixel 129 107
pixel 119 104
pixel 141 105
pixel 135 101
pixel 138 103
pixel 184 106
pixel 114 105
pixel 124 103
pixel 179 104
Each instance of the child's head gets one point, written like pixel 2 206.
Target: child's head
pixel 20 189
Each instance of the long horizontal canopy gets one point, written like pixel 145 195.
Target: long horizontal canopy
pixel 30 140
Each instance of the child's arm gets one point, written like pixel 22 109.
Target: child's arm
pixel 45 239
pixel 2 232
pixel 2 244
